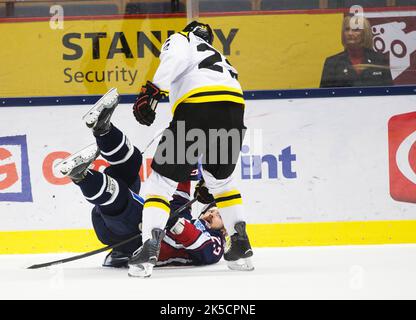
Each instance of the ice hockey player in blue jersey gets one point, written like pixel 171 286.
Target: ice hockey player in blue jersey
pixel 117 211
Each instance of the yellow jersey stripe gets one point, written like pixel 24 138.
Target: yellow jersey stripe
pixel 229 203
pixel 214 99
pixel 185 34
pixel 158 202
pixel 157 197
pixel 154 204
pixel 227 194
pixel 206 89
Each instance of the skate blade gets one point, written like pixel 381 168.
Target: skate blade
pixel 85 155
pixel 241 265
pixel 143 270
pixel 93 114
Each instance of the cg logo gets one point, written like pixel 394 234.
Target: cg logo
pixel 402 157
pixel 391 38
pixel 14 170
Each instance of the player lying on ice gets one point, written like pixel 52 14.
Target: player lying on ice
pixel 117 212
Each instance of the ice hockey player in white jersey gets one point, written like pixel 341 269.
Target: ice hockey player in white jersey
pixel 205 96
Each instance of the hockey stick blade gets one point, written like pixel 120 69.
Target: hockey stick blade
pixel 91 253
pixel 84 255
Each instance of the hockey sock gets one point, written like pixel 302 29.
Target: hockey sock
pixel 155 215
pixel 231 209
pixel 102 190
pixel 158 191
pixel 115 147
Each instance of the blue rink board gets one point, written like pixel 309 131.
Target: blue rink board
pixel 248 95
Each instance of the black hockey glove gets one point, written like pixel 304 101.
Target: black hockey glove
pixel 146 103
pixel 202 193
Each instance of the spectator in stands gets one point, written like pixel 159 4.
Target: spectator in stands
pixel 358 65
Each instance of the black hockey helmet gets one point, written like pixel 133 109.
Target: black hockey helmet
pixel 201 30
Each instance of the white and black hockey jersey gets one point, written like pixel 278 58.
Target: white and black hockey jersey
pixel 192 71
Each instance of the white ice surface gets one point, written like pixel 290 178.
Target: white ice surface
pixel 350 272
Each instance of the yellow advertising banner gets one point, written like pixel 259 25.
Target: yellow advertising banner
pixel 284 51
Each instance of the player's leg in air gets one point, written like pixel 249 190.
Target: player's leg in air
pixel 117 211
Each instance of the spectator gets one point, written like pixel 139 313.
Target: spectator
pixel 358 65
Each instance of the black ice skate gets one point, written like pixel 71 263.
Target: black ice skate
pixel 77 164
pixel 238 254
pixel 116 259
pixel 144 259
pixel 99 116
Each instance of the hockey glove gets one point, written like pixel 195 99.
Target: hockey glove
pixel 202 193
pixel 178 227
pixel 146 103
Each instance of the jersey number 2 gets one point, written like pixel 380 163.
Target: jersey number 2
pixel 210 62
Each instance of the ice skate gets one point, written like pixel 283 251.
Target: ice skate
pixel 238 254
pixel 99 116
pixel 144 259
pixel 116 259
pixel 77 164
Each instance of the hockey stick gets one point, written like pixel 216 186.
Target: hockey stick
pixel 153 140
pixel 91 253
